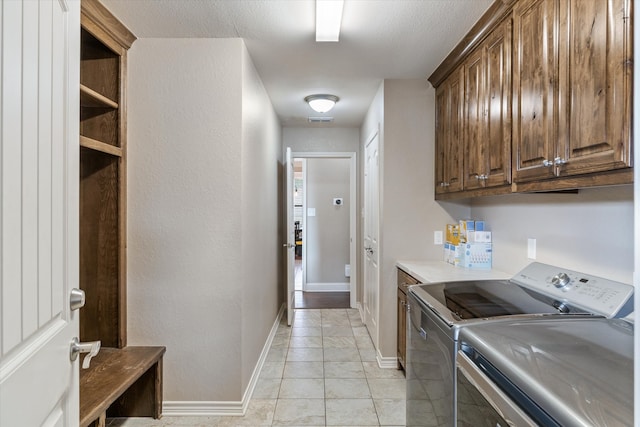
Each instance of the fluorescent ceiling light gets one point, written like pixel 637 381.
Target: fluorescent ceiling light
pixel 328 20
pixel 321 103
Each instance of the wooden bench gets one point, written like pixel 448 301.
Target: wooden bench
pixel 124 382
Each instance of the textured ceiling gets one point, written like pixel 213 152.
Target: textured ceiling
pixel 380 39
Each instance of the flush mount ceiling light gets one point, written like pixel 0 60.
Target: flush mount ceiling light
pixel 321 103
pixel 328 20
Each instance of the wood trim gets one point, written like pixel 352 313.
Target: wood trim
pixel 480 192
pixel 122 282
pixel 619 177
pixel 490 20
pixel 94 144
pixel 104 20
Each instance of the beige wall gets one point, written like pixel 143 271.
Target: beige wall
pixel 404 110
pixel 327 233
pixel 204 160
pixel 262 253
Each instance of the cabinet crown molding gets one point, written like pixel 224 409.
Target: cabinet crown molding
pixel 496 13
pixel 105 21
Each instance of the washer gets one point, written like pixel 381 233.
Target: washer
pixel 562 373
pixel 437 313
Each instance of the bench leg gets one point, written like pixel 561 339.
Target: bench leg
pixel 157 410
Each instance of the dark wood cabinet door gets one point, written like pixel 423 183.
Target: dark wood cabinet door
pixel 487 137
pixel 449 133
pixel 498 106
pixel 595 86
pixel 441 124
pixel 535 104
pixel 475 146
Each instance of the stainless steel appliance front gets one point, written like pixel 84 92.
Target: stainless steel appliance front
pixel 481 403
pixel 430 357
pixel 437 312
pixel 566 372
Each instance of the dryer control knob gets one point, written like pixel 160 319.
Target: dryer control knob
pixel 562 307
pixel 561 280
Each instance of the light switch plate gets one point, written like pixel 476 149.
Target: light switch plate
pixel 437 237
pixel 311 211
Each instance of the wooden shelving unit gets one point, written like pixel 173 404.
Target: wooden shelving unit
pixel 122 381
pixel 104 44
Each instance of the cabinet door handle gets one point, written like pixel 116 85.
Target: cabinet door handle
pixel 547 163
pixel 444 184
pixel 482 177
pixel 559 161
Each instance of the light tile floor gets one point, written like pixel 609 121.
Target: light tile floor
pixel 322 371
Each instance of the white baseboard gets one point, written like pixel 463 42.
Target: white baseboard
pixel 219 408
pixel 327 287
pixel 386 362
pixel 202 408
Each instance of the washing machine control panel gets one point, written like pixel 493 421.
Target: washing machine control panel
pixel 595 294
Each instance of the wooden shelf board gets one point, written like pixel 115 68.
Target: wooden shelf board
pixel 94 144
pixel 91 98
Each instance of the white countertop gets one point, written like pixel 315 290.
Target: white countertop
pixel 440 271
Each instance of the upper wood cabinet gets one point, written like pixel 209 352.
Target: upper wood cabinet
pixel 547 98
pixel 449 133
pixel 487 136
pixel 572 87
pixel 595 83
pixel 535 104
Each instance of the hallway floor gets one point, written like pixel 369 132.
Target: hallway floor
pixel 320 372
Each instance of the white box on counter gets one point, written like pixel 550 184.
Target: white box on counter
pixel 477 256
pixel 479 237
pixel 453 254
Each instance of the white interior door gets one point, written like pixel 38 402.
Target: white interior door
pixel 39 176
pixel 291 241
pixel 371 231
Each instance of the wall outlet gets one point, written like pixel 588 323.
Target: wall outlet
pixel 437 237
pixel 347 270
pixel 531 248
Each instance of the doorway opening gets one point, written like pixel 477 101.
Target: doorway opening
pixel 324 205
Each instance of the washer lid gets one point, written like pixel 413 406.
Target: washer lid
pixel 580 372
pixel 463 302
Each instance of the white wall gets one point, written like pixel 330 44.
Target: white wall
pixel 405 112
pixel 203 158
pixel 327 233
pixel 591 231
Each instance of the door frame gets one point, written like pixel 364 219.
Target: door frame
pixel 376 286
pixel 353 166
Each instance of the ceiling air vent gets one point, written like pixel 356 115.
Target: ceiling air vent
pixel 320 119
